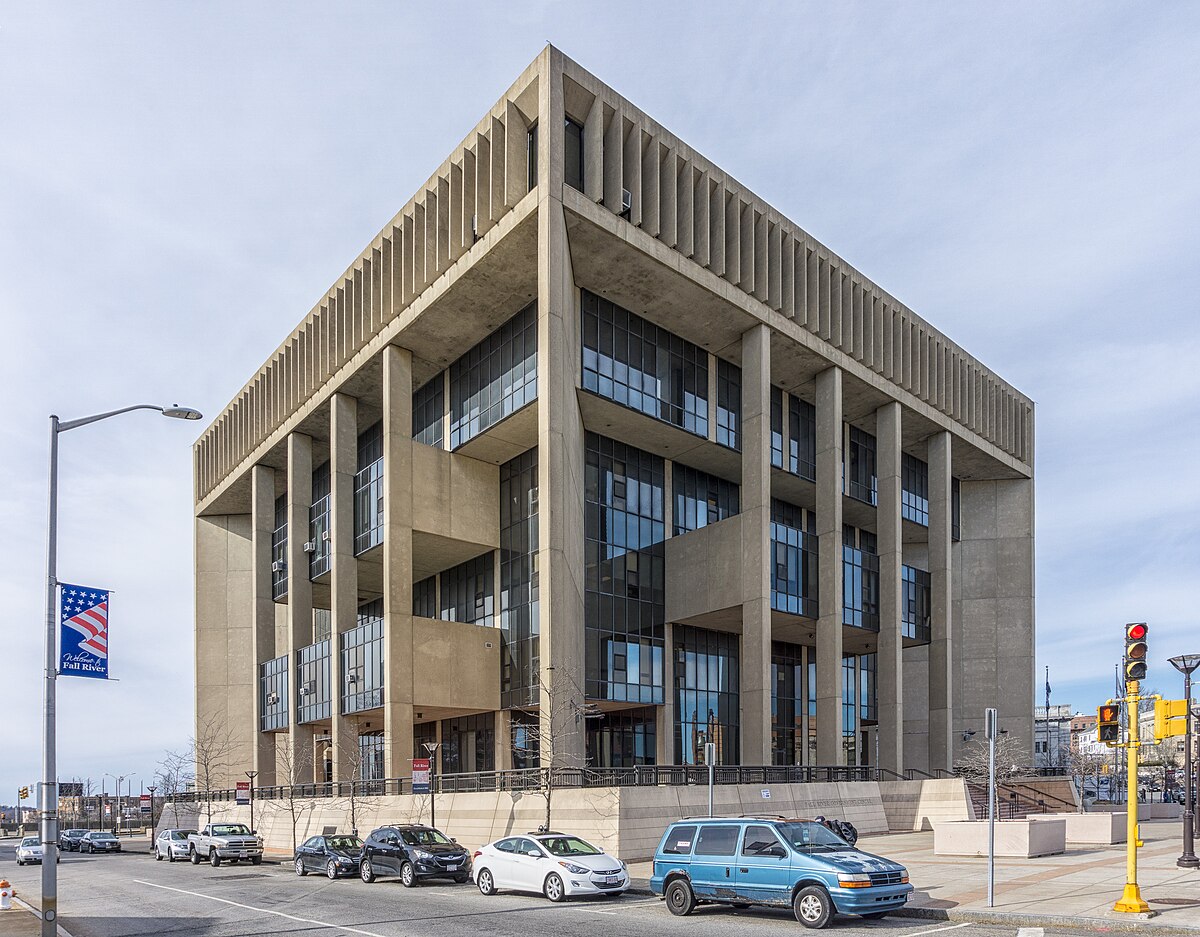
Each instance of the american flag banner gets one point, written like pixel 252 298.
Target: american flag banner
pixel 83 636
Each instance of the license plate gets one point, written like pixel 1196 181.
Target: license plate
pixel 452 868
pixel 612 879
pixel 243 855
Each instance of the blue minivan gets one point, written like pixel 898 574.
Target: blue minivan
pixel 799 864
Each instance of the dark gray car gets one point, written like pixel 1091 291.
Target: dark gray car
pixel 413 852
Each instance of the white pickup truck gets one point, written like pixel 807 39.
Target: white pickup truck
pixel 232 841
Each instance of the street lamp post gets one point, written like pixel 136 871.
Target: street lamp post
pixel 1185 664
pixel 251 775
pixel 151 788
pixel 432 748
pixel 49 782
pixel 120 803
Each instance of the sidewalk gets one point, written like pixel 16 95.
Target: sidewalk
pixel 1075 889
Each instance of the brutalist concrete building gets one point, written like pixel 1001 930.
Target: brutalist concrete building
pixel 591 457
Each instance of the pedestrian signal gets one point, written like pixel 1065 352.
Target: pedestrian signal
pixel 1108 728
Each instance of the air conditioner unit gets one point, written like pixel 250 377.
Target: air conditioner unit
pixel 304 691
pixel 626 203
pixel 278 566
pixel 325 535
pixel 352 678
pixel 310 546
pixel 272 699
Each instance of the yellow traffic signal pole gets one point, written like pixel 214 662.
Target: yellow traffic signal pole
pixel 1132 900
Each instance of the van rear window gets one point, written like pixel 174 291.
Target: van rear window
pixel 679 840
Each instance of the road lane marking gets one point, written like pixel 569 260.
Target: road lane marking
pixel 1031 932
pixel 936 930
pixel 250 907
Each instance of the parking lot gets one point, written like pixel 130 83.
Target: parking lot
pixel 130 894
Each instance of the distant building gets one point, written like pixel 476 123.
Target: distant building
pixel 1052 736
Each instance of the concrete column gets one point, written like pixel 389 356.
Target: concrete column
pixel 941 647
pixel 829 565
pixel 503 759
pixel 397 561
pixel 343 464
pixel 664 729
pixel 262 512
pixel 301 768
pixel 560 454
pixel 756 533
pixel 889 674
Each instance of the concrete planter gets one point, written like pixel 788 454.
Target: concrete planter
pixel 1037 836
pixel 1165 811
pixel 1102 828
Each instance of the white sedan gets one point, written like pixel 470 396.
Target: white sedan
pixel 30 850
pixel 558 865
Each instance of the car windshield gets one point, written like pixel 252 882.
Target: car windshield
pixel 808 835
pixel 424 838
pixel 347 843
pixel 29 841
pixel 569 846
pixel 231 829
pixel 181 834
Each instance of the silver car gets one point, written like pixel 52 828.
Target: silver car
pixel 30 851
pixel 172 845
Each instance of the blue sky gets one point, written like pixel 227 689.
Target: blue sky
pixel 179 183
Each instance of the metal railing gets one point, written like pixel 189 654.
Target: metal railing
pixel 530 779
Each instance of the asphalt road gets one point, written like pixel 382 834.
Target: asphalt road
pixel 131 894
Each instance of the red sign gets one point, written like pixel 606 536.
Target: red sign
pixel 243 792
pixel 420 775
pixel 146 804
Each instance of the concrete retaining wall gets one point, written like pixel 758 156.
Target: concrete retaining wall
pixel 628 821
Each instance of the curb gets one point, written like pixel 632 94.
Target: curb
pixel 641 887
pixel 62 931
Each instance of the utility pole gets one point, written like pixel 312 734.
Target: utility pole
pixel 989 728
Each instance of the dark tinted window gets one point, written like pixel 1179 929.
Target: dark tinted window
pixel 313 842
pixel 572 154
pixel 507 845
pixel 717 840
pixel 758 839
pixel 679 840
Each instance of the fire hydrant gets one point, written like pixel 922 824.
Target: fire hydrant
pixel 6 891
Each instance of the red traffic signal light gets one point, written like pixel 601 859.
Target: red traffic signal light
pixel 1136 650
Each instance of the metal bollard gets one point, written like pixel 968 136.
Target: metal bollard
pixel 6 892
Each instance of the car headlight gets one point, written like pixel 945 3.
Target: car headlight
pixel 623 865
pixel 422 854
pixel 574 869
pixel 854 881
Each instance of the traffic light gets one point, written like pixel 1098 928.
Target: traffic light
pixel 23 793
pixel 1108 729
pixel 1135 651
pixel 1170 718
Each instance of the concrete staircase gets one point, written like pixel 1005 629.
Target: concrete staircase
pixel 1007 808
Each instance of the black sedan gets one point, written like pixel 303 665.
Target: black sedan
pixel 413 852
pixel 68 840
pixel 333 855
pixel 99 841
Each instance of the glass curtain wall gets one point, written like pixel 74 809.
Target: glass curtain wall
pixel 494 379
pixel 635 363
pixel 519 605
pixel 625 592
pixel 917 609
pixel 802 438
pixel 467 592
pixel 623 739
pixel 794 559
pixel 707 698
pixel 429 411
pixel 700 499
pixel 279 539
pixel 368 490
pixel 312 682
pixel 860 568
pixel 914 490
pixel 469 744
pixel 729 404
pixel 318 523
pixel 370 756
pixel 523 730
pixel 787 703
pixel 862 481
pixel 425 598
pixel 273 693
pixel 362 660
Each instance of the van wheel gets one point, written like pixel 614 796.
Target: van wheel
pixel 680 898
pixel 812 906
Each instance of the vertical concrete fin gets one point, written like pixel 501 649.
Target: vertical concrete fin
pixel 829 564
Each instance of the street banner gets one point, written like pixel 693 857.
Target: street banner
pixel 243 793
pixel 420 775
pixel 83 641
pixel 146 805
pixel 107 809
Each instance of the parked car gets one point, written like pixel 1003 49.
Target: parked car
pixel 30 851
pixel 99 841
pixel 68 840
pixel 172 845
pixel 413 852
pixel 232 841
pixel 800 864
pixel 558 865
pixel 334 855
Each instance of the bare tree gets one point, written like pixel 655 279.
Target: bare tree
pixel 213 751
pixel 173 776
pixel 1085 764
pixel 294 770
pixel 555 740
pixel 1011 758
pixel 357 792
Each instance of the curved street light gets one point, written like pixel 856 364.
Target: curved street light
pixel 1185 664
pixel 49 819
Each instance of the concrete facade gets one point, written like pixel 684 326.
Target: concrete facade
pixel 371 575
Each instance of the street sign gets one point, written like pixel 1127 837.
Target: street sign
pixel 243 793
pixel 146 805
pixel 420 775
